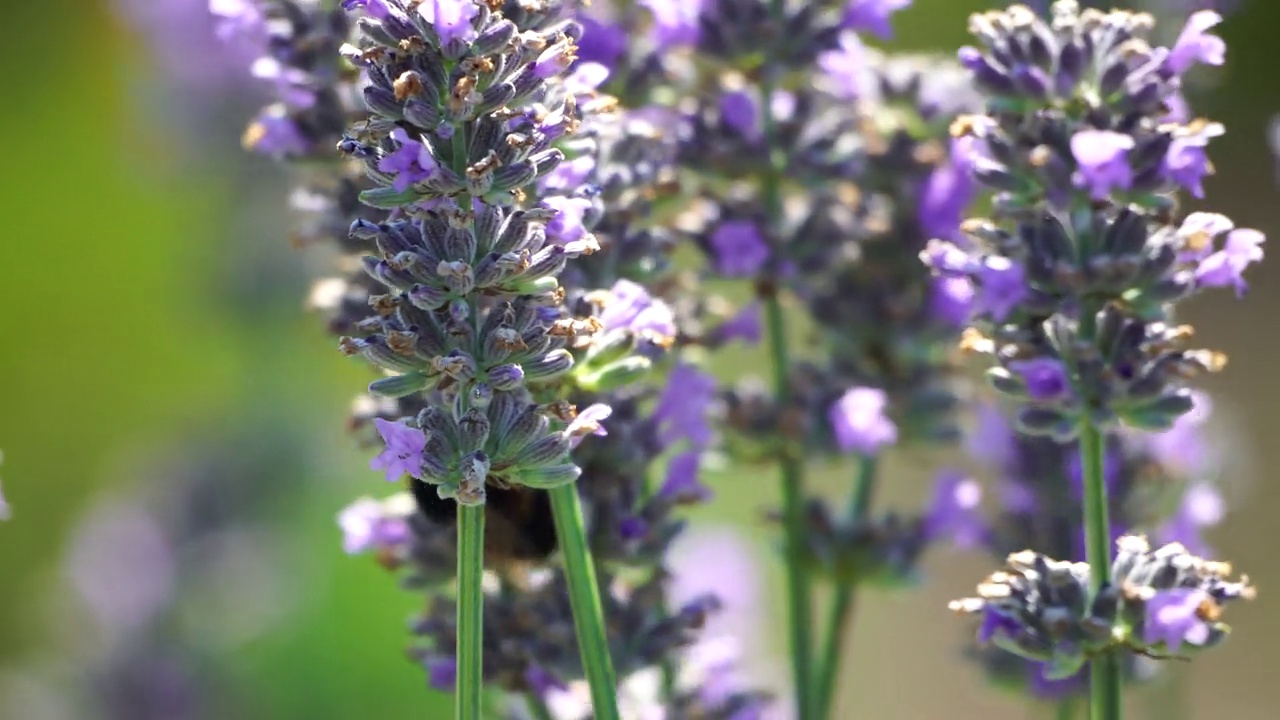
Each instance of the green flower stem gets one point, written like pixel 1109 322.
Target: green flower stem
pixel 1066 709
pixel 842 606
pixel 470 646
pixel 584 599
pixel 799 585
pixel 1104 671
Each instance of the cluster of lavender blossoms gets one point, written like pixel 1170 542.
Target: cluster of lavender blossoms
pixel 1086 141
pixel 512 181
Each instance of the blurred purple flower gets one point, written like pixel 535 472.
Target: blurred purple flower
pixel 567 226
pixel 859 422
pixel 1184 449
pixel 367 524
pixel 403 452
pixel 739 248
pixel 740 111
pixel 1002 287
pixel 442 672
pixel 275 134
pixel 681 410
pixel 675 22
pixel 570 174
pixel 451 19
pixel 375 8
pixel 954 514
pixel 602 41
pixel 681 484
pixel 122 566
pixel 1196 45
pixel 991 441
pixel 746 325
pixel 1173 617
pixel 290 84
pixel 951 300
pixel 946 196
pixel 1242 248
pixel 234 18
pixel 1046 378
pixel 872 16
pixel 1103 159
pixel 631 307
pixel 846 66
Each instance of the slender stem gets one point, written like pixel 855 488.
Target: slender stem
pixel 584 599
pixel 538 708
pixel 1104 671
pixel 1066 709
pixel 470 612
pixel 843 604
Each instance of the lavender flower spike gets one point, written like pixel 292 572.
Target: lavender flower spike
pixel 859 422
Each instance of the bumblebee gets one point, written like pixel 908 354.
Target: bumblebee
pixel 519 527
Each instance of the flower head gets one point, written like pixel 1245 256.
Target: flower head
pixel 741 113
pixel 846 67
pixel 631 307
pixel 588 422
pixel 675 22
pixel 403 452
pixel 859 421
pixel 567 226
pixel 1002 287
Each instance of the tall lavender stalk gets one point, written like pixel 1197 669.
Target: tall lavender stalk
pixel 1076 276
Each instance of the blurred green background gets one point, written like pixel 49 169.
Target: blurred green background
pixel 153 321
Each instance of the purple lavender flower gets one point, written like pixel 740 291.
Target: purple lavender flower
pixel 1046 378
pixel 368 524
pixel 588 422
pixel 403 453
pixel 1196 45
pixel 567 226
pixel 602 41
pixel 746 325
pixel 1102 156
pixel 274 133
pixel 442 672
pixel 1186 162
pixel 1174 617
pixel 681 484
pixel 946 196
pixel 451 19
pixel 872 16
pixel 631 307
pixel 951 300
pixel 675 22
pixel 410 163
pixel 955 513
pixel 846 67
pixel 555 59
pixel 859 422
pixel 741 112
pixel 681 411
pixel 1002 287
pixel 739 248
pixel 375 8
pixel 1242 248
